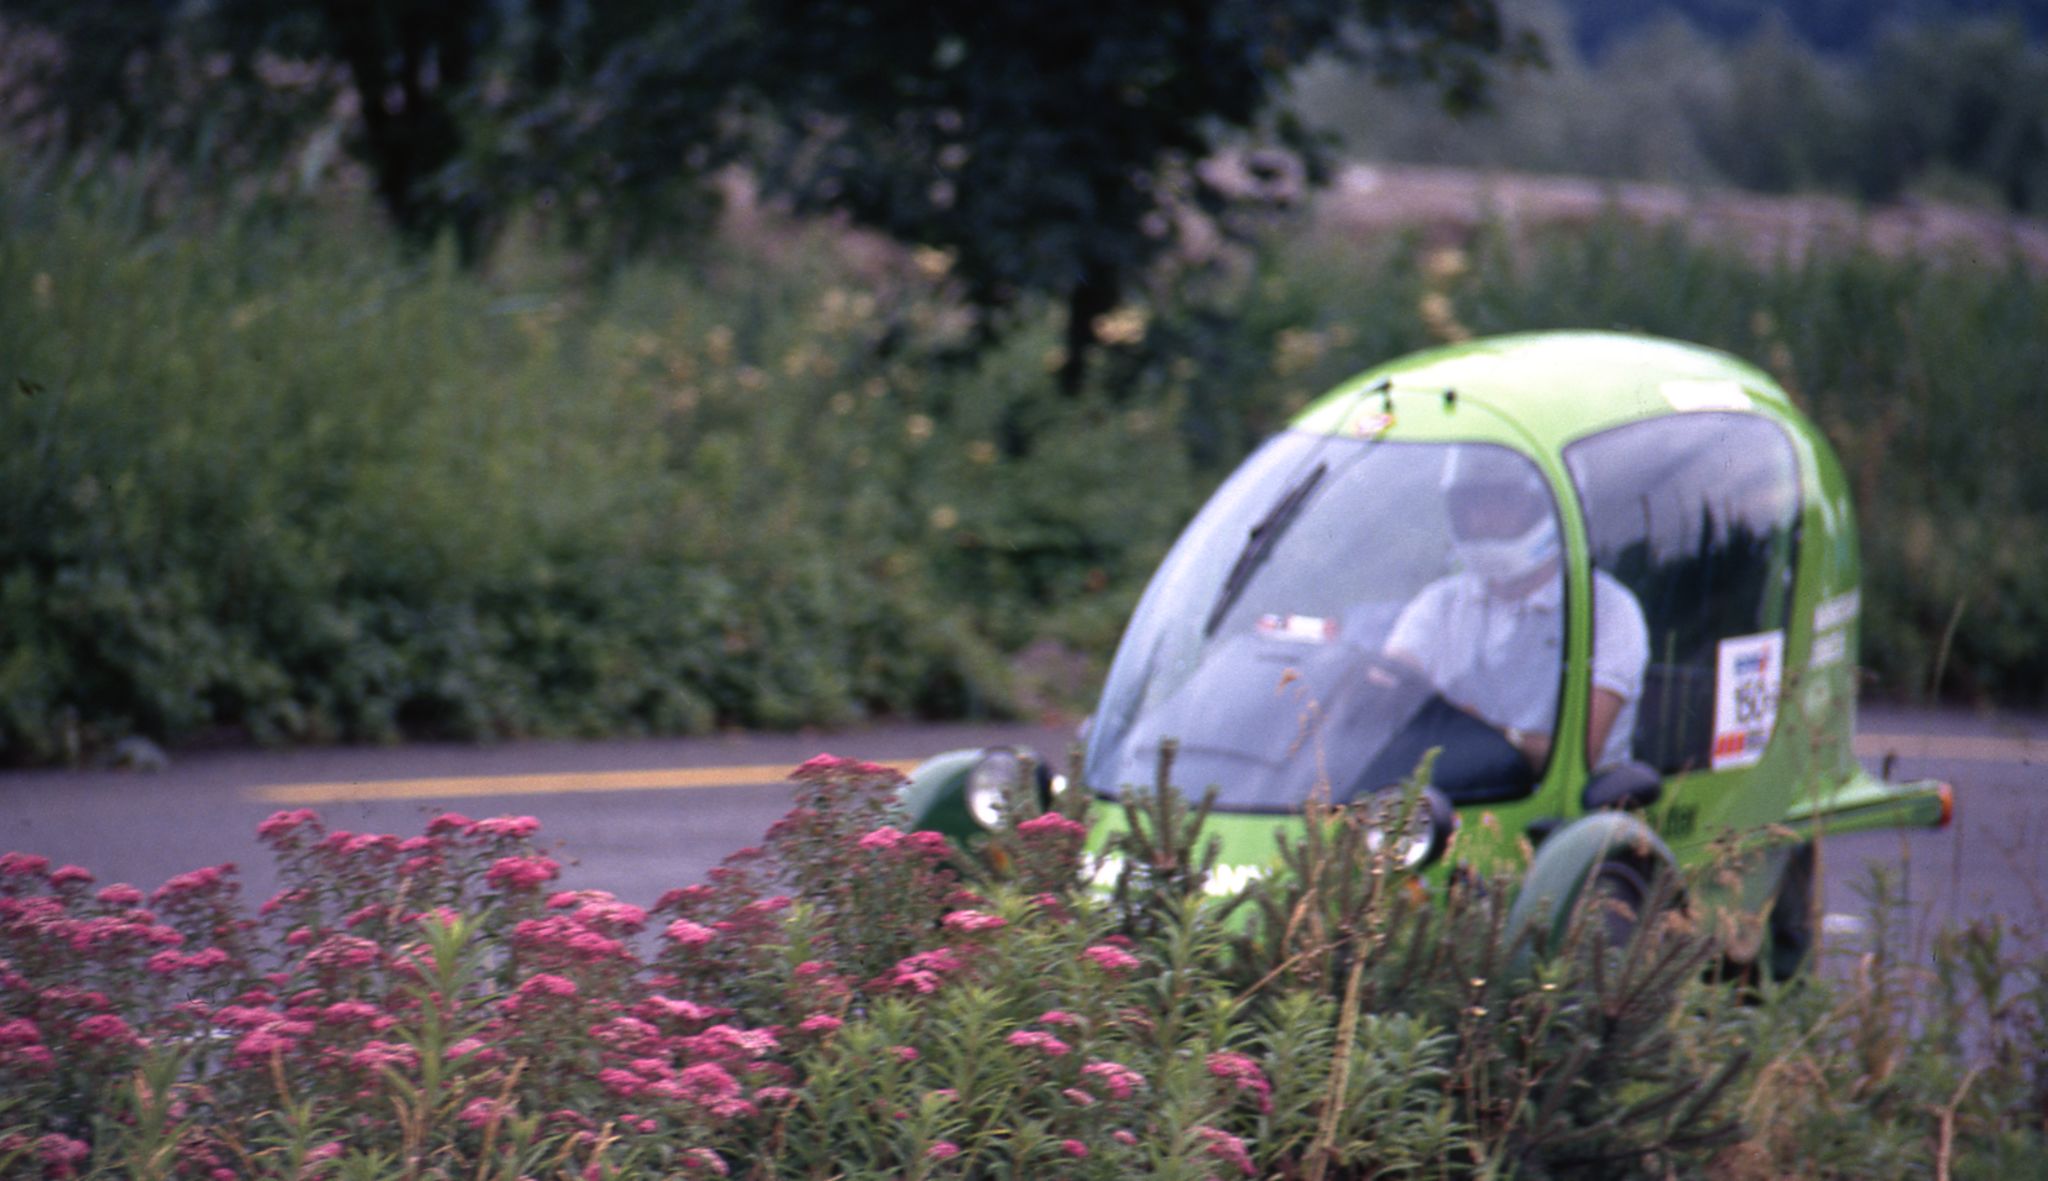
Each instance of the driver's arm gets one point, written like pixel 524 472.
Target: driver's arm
pixel 1600 720
pixel 1599 723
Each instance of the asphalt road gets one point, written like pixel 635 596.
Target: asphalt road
pixel 639 817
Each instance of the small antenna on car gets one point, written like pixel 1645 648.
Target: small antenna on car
pixel 1450 398
pixel 1385 389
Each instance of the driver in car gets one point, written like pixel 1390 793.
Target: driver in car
pixel 1490 637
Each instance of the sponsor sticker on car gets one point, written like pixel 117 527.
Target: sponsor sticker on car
pixel 1748 674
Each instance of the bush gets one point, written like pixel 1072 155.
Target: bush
pixel 300 489
pixel 842 1002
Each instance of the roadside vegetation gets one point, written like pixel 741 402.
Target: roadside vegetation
pixel 842 1002
pixel 272 477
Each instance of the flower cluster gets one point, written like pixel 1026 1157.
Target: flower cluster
pixel 567 1030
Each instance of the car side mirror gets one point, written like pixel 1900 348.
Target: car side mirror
pixel 1624 786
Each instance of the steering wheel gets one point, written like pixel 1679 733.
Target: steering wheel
pixel 1386 679
pixel 1475 761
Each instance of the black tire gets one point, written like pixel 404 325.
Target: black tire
pixel 1792 916
pixel 1615 897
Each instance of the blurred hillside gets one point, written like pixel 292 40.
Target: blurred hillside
pixel 1850 27
pixel 1876 102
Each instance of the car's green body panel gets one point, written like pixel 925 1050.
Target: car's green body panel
pixel 1538 394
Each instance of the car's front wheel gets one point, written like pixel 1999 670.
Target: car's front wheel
pixel 1614 899
pixel 1793 918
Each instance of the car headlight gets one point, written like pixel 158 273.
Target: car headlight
pixel 992 783
pixel 1413 828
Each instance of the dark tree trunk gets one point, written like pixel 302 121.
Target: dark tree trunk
pixel 419 54
pixel 1095 295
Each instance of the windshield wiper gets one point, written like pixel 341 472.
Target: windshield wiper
pixel 1258 545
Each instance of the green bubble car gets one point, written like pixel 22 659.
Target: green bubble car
pixel 1602 587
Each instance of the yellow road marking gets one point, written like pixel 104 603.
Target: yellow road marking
pixel 1974 748
pixel 1960 747
pixel 551 783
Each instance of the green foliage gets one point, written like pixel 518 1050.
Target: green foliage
pixel 433 1007
pixel 1058 149
pixel 304 489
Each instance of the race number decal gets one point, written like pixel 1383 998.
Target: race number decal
pixel 1746 683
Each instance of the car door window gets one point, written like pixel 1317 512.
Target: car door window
pixel 1696 515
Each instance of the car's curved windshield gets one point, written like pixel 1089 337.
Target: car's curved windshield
pixel 1338 608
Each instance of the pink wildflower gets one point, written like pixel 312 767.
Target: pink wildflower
pixel 68 874
pixel 19 1032
pixel 262 1043
pixel 375 1055
pixel 1120 1081
pixel 1244 1075
pixel 521 873
pixel 1074 1148
pixel 61 1154
pixel 1038 1040
pixel 449 822
pixel 623 1083
pixel 942 1150
pixel 883 838
pixel 682 1010
pixel 1078 1097
pixel 973 920
pixel 689 934
pixel 33 1058
pixel 547 984
pixel 1228 1148
pixel 284 823
pixel 905 1053
pixel 22 865
pixel 168 962
pixel 349 1012
pixel 120 894
pixel 821 764
pixel 625 1033
pixel 1053 823
pixel 343 952
pixel 920 972
pixel 105 1027
pixel 694 1159
pixel 515 827
pixel 327 1151
pixel 1058 1017
pixel 705 1083
pixel 1124 1137
pixel 932 844
pixel 1110 958
pixel 245 1016
pixel 194 882
pixel 481 1113
pixel 819 1023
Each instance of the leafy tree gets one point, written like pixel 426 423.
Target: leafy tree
pixel 1049 145
pixel 1971 98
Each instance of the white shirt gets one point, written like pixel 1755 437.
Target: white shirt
pixel 1502 658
